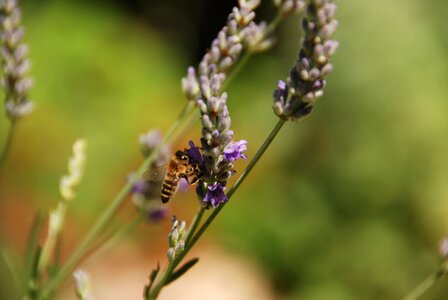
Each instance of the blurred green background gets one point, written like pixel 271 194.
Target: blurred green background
pixel 348 204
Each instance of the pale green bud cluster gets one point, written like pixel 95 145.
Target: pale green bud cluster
pixel 76 165
pixel 176 239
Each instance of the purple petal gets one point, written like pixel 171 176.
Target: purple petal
pixel 158 214
pixel 139 187
pixel 194 154
pixel 281 85
pixel 215 195
pixel 234 150
pixel 183 185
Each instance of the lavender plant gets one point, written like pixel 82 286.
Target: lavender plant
pixel 146 191
pixel 215 154
pixel 290 103
pixel 16 65
pixel 67 186
pixel 45 260
pixel 240 34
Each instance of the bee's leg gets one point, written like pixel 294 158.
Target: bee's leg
pixel 193 179
pixel 189 173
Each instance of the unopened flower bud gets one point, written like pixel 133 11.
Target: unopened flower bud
pixel 82 285
pixel 76 167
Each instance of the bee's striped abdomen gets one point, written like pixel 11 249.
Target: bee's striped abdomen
pixel 169 187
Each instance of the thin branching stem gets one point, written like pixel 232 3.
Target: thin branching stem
pixel 194 225
pixel 188 245
pixel 426 284
pixel 173 264
pixel 12 270
pixel 236 185
pixel 110 241
pixel 169 270
pixel 8 143
pixel 110 211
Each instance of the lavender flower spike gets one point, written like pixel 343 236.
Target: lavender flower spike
pixel 15 80
pixel 289 6
pixel 146 191
pixel 219 151
pixel 149 141
pixel 176 239
pixel 295 99
pixel 239 33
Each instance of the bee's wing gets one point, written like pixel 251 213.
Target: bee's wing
pixel 155 173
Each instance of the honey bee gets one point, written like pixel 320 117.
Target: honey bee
pixel 180 166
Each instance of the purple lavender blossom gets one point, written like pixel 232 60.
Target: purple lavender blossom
pixel 296 99
pixel 290 6
pixel 145 195
pixel 280 97
pixel 234 150
pixel 215 195
pixel 240 33
pixel 194 154
pixel 218 151
pixel 183 185
pixel 150 141
pixel 146 191
pixel 190 84
pixel 139 187
pixel 157 214
pixel 16 65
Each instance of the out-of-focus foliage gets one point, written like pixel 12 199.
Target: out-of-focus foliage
pixel 348 204
pixel 98 75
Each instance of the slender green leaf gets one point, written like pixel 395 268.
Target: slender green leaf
pixel 152 278
pixel 12 269
pixel 57 257
pixel 182 270
pixel 33 282
pixel 33 245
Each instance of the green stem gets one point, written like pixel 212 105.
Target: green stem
pixel 242 62
pixel 12 269
pixel 8 143
pixel 273 25
pixel 216 211
pixel 51 240
pixel 194 225
pixel 236 185
pixel 169 271
pixel 426 284
pixel 114 238
pixel 116 203
pixel 87 241
pixel 109 212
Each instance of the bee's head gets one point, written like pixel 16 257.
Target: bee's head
pixel 182 156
